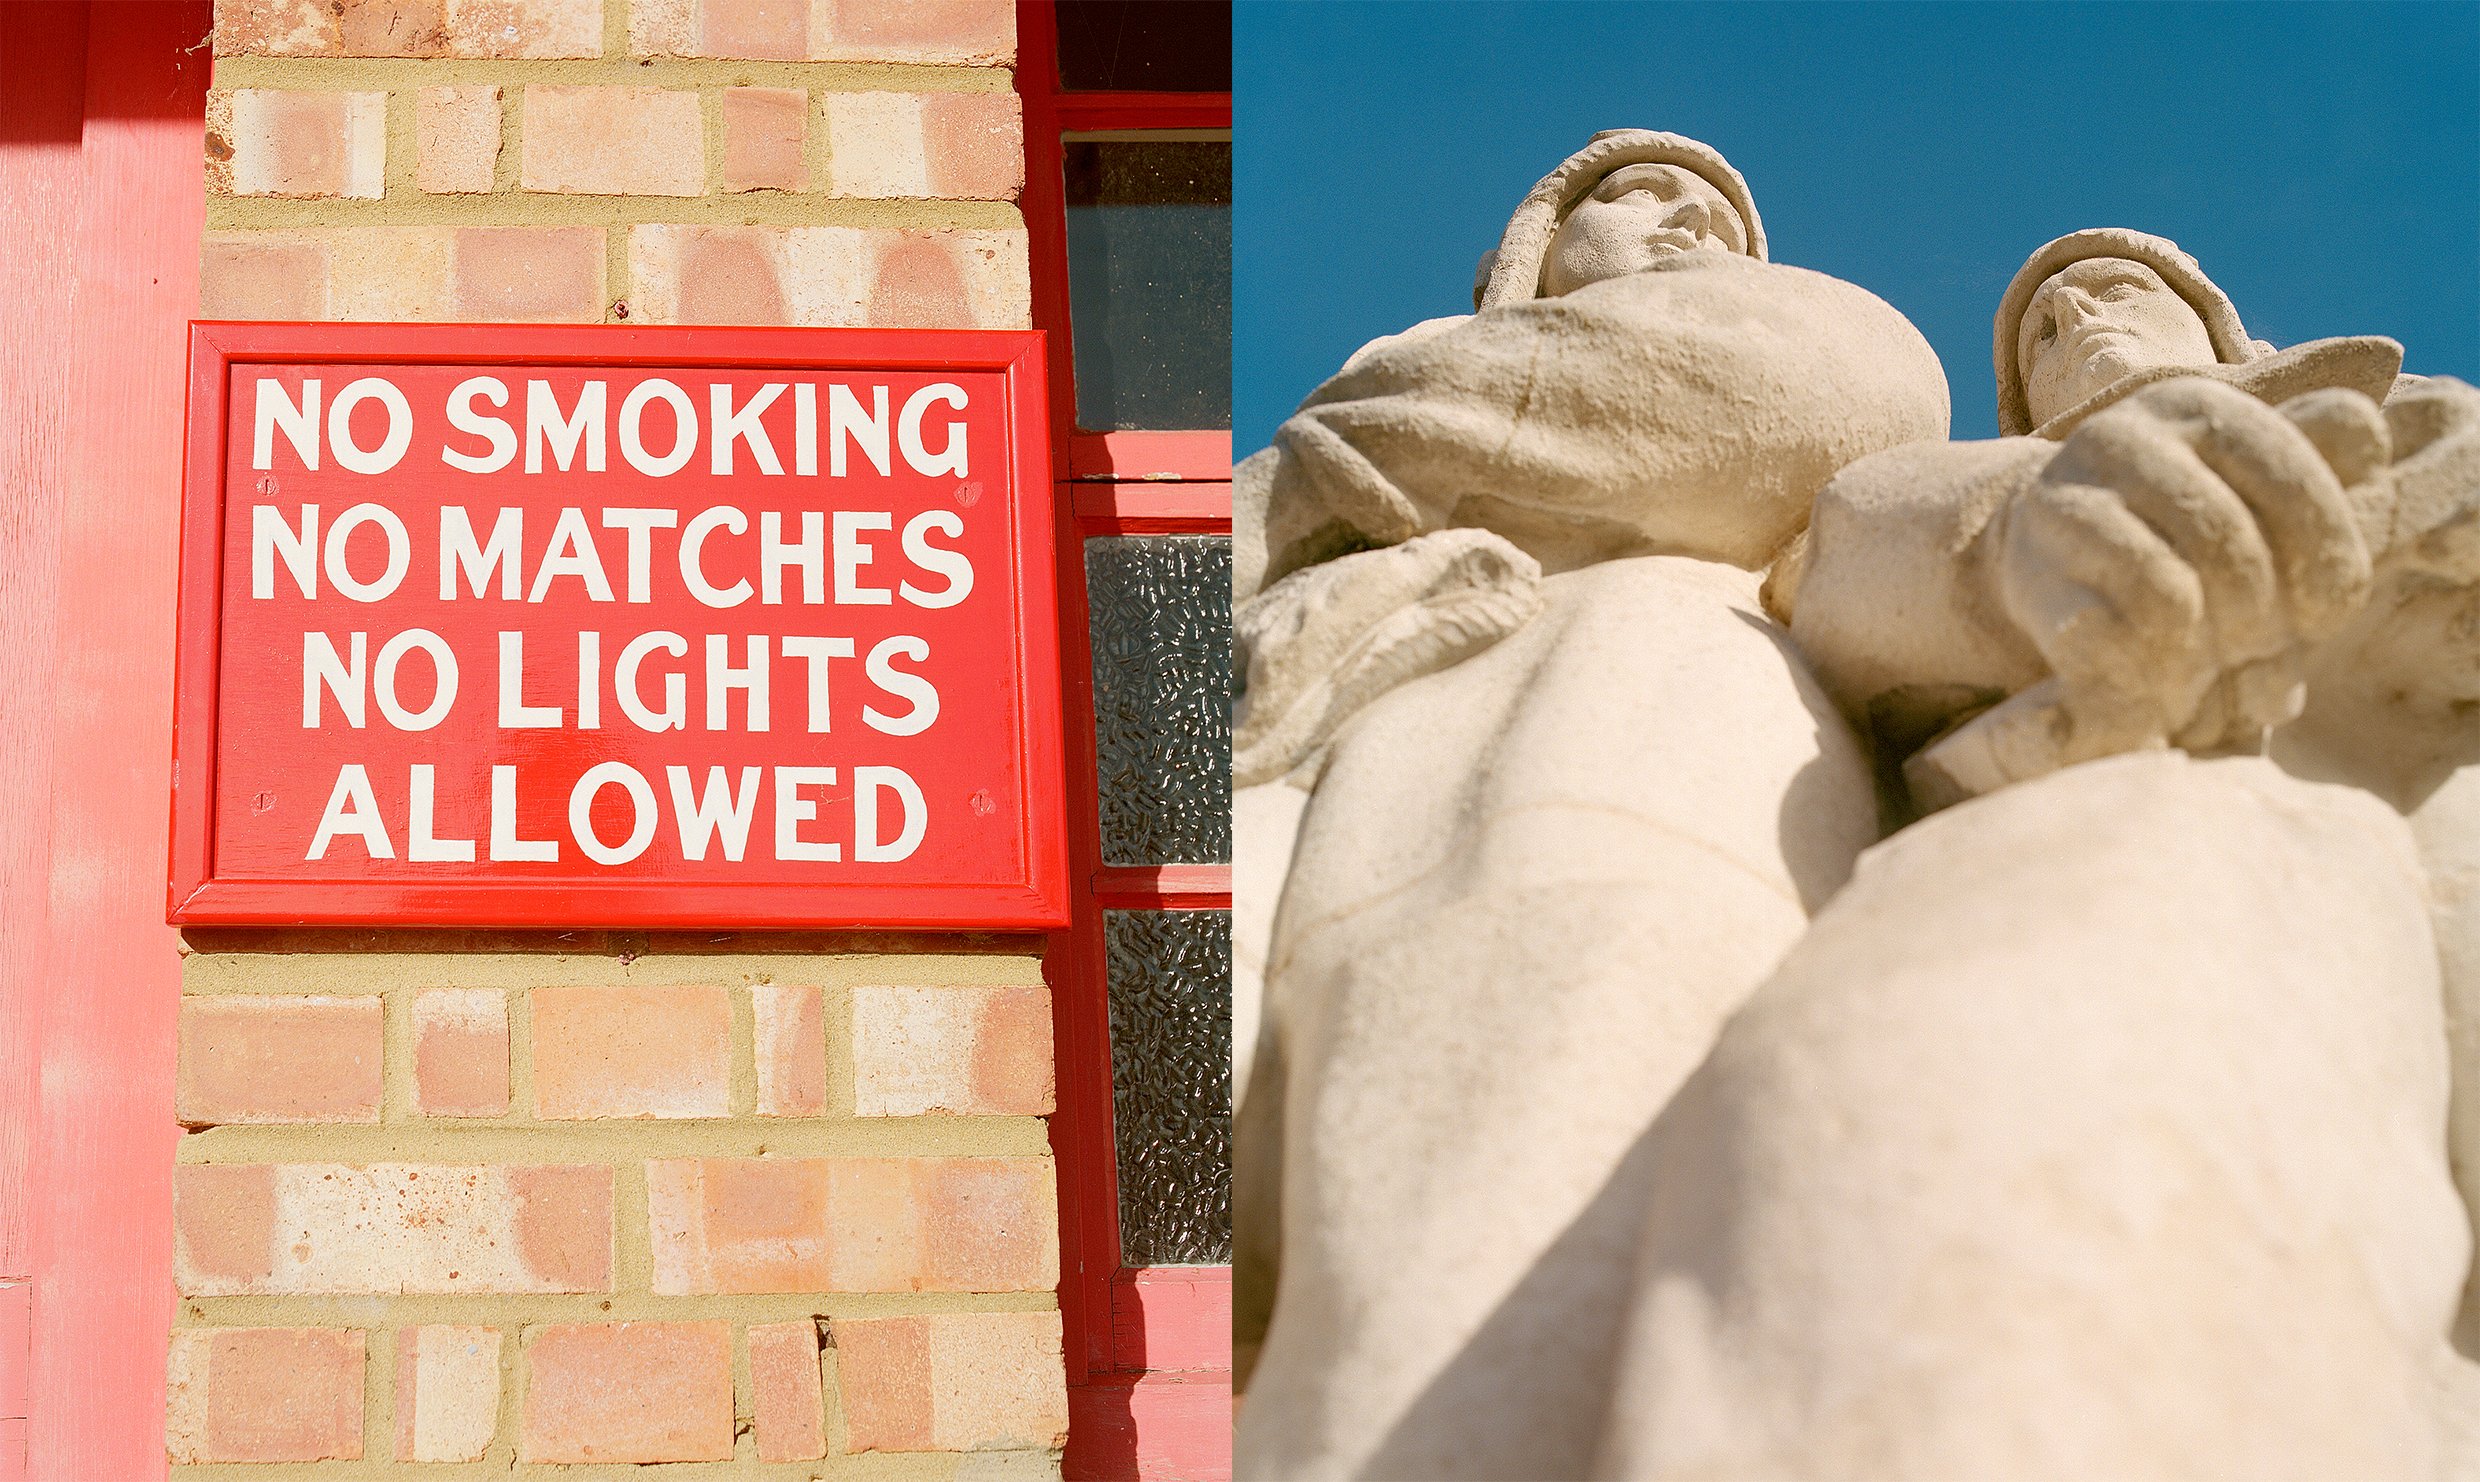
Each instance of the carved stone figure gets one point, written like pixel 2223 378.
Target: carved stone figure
pixel 2099 1127
pixel 2095 1128
pixel 1574 796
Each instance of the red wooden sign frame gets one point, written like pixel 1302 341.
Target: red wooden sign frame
pixel 1035 897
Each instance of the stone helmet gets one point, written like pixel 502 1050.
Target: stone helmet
pixel 1511 272
pixel 2231 345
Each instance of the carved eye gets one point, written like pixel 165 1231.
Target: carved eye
pixel 2049 330
pixel 2120 292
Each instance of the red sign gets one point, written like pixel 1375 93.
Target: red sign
pixel 501 626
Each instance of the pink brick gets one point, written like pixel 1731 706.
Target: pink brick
pixel 954 146
pixel 266 142
pixel 974 1051
pixel 787 1396
pixel 389 1228
pixel 409 28
pixel 709 275
pixel 919 281
pixel 248 277
pixel 265 1394
pixel 637 1392
pixel 989 1224
pixel 460 1052
pixel 729 1225
pixel 975 143
pixel 763 131
pixel 528 274
pixel 972 32
pixel 456 139
pixel 225 1222
pixel 447 1393
pixel 613 141
pixel 791 1025
pixel 278 1058
pixel 979 33
pixel 771 29
pixel 830 275
pixel 632 1052
pixel 965 1381
pixel 1013 1064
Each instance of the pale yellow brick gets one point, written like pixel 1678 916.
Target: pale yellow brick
pixel 971 1050
pixel 305 1228
pixel 447 1392
pixel 456 139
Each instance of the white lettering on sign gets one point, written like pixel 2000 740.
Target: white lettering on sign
pixel 831 572
pixel 743 426
pixel 886 819
pixel 949 459
pixel 458 552
pixel 720 814
pixel 492 430
pixel 577 437
pixel 423 842
pixel 392 444
pixel 297 419
pixel 399 552
pixel 547 427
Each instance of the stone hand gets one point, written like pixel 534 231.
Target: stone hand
pixel 2176 555
pixel 2397 692
pixel 2171 563
pixel 2434 530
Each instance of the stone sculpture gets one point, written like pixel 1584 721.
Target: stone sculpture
pixel 2100 1127
pixel 1973 1182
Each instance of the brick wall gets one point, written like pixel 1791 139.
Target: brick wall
pixel 841 162
pixel 614 1199
pixel 449 1202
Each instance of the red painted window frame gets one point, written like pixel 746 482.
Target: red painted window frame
pixel 1036 898
pixel 1149 1348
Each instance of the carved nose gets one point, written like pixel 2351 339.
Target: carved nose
pixel 1690 215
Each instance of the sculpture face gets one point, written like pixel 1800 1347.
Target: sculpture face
pixel 2096 321
pixel 1638 215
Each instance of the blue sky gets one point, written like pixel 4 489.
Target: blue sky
pixel 2322 160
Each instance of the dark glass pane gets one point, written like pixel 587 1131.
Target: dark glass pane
pixel 1171 1083
pixel 1154 46
pixel 1149 282
pixel 1159 610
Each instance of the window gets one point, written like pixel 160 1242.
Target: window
pixel 1128 201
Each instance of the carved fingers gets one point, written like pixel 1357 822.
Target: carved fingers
pixel 2435 524
pixel 2174 557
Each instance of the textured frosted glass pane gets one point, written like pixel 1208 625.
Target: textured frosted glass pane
pixel 1149 282
pixel 1160 613
pixel 1164 46
pixel 1171 1083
